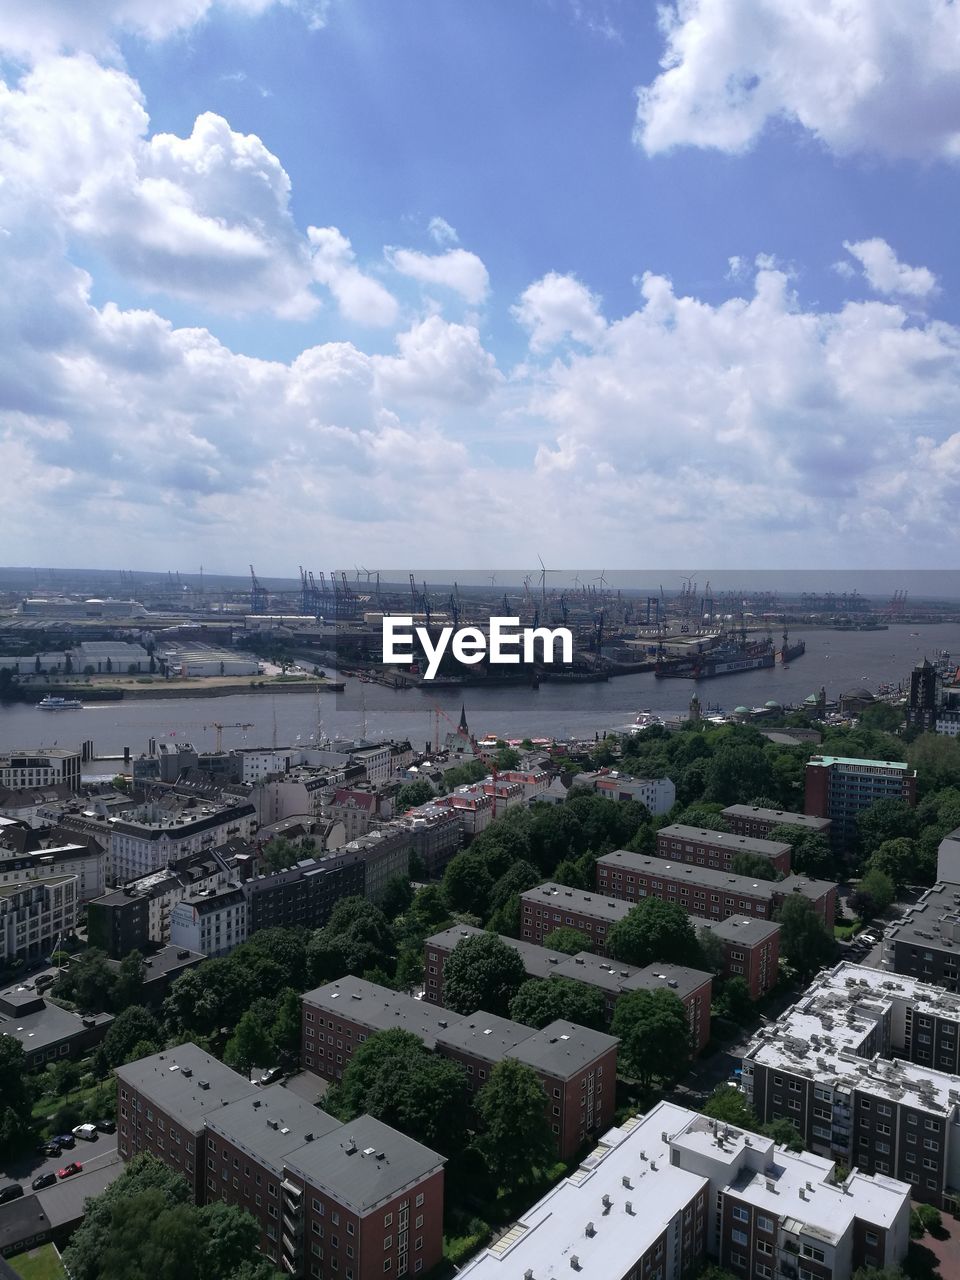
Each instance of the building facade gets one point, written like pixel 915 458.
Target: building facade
pixel 680 843
pixel 35 915
pixel 40 767
pixel 839 788
pixel 753 820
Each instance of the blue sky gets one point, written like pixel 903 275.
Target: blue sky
pixel 390 281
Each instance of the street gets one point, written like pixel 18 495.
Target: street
pixel 92 1155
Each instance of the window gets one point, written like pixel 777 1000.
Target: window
pixel 740 1214
pixel 764 1223
pixel 739 1237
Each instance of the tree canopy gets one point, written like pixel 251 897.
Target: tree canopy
pixel 655 930
pixel 482 972
pixel 515 1136
pixel 654 1035
pixel 804 940
pixel 544 1000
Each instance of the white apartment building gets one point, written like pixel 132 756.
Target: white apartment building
pixel 87 862
pixel 34 915
pixel 213 921
pixel 665 1191
pixel 40 767
pixel 150 837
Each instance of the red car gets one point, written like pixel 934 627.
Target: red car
pixel 68 1170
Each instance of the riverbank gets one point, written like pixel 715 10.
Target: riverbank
pixel 148 688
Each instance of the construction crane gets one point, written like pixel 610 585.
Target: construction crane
pixel 258 594
pixel 215 724
pixel 304 591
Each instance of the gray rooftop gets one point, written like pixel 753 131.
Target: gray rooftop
pixel 380 1008
pixel 363 1163
pixel 711 878
pixel 746 929
pixel 187 1083
pixel 562 1048
pixel 47 1026
pixel 781 817
pixel 270 1124
pixel 484 1035
pixel 559 898
pixel 933 922
pixel 724 840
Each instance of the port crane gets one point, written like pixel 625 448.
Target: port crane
pixel 215 724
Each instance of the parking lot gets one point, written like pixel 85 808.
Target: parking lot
pixel 92 1155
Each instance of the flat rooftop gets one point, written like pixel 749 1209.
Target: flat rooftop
pixel 859 764
pixel 933 922
pixel 712 878
pixel 484 1035
pixel 559 898
pixel 186 1083
pixel 47 1026
pixel 379 1008
pixel 561 1049
pixel 750 930
pixel 723 840
pixel 363 1163
pixel 781 817
pixel 270 1124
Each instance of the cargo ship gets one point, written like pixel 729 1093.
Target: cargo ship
pixel 728 658
pixel 790 651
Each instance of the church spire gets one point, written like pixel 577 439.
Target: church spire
pixel 463 726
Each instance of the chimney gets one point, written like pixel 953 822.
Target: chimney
pixel 629 1207
pixel 591 1230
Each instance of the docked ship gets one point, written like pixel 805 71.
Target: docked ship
pixel 790 651
pixel 727 658
pixel 52 703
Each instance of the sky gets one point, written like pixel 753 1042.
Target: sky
pixel 389 282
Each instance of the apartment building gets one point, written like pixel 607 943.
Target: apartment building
pixel 666 1191
pixel 576 1066
pixel 86 861
pixel 212 922
pixel 330 1199
pixel 35 915
pixel 435 834
pixel 753 820
pixel 750 950
pixel 865 1066
pixel 925 942
pixel 692 986
pixel 717 849
pixel 385 853
pixel 705 891
pixel 839 788
pixel 40 767
pixel 303 895
pixel 47 1032
pixel 355 809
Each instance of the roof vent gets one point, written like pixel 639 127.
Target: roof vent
pixel 626 1181
pixel 575 1262
pixel 629 1207
pixel 590 1230
pixel 606 1202
pixel 187 1071
pixel 203 1084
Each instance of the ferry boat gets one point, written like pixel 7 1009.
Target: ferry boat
pixel 51 703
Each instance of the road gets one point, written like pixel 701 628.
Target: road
pixel 92 1155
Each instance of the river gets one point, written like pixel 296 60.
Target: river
pixel 839 661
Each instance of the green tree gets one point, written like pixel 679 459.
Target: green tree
pixel 654 930
pixel 729 1105
pixel 285 1032
pixel 735 1001
pixel 885 820
pixel 874 894
pixel 508 758
pixel 711 951
pixel 707 817
pixel 654 1035
pixel 543 1000
pixel 482 972
pixel 280 853
pixel 568 940
pixel 65 1078
pixel 804 941
pixel 467 884
pixel 397 896
pixel 357 937
pixel 230 1238
pixel 393 1077
pixel 128 1029
pixel 515 1137
pixel 211 996
pixel 784 1132
pixel 520 876
pixel 899 859
pixel 754 865
pixel 413 794
pixel 90 982
pixel 251 1045
pixel 130 976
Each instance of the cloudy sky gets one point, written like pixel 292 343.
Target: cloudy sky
pixel 441 282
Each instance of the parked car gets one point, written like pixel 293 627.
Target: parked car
pixel 70 1169
pixel 45 980
pixel 49 1148
pixel 86 1131
pixel 66 1140
pixel 11 1192
pixel 44 1180
pixel 107 1126
pixel 271 1076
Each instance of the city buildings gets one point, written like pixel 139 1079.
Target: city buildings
pixel 576 1066
pixel 839 788
pixel 924 700
pixel 47 1032
pixel 87 861
pixel 212 922
pixel 865 1066
pixel 705 891
pixel 659 795
pixel 40 767
pixel 753 820
pixel 358 1200
pixel 693 987
pixel 925 942
pixel 34 915
pixel 717 849
pixel 665 1191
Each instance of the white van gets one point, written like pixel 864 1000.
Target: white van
pixel 86 1131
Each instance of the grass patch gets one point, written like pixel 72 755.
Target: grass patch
pixel 39 1264
pixel 843 932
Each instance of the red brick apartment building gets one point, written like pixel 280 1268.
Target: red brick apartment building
pixel 751 950
pixel 753 820
pixel 576 1066
pixel 693 986
pixel 358 1201
pixel 717 849
pixel 703 891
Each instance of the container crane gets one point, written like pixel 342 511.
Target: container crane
pixel 258 594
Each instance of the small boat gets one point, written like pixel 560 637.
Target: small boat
pixel 51 703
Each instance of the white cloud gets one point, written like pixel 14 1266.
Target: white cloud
pixel 459 270
pixel 441 232
pixel 439 361
pixel 860 75
pixel 557 307
pixel 360 298
pixel 205 217
pixel 30 29
pixel 885 274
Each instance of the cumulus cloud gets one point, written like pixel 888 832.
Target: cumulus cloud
pixel 885 274
pixel 360 297
pixel 30 29
pixel 437 360
pixel 205 217
pixel 859 75
pixel 558 307
pixel 459 270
